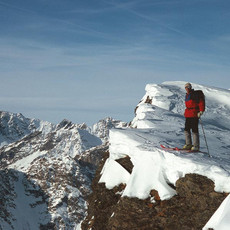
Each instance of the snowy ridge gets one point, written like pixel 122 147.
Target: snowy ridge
pixel 153 167
pixel 170 96
pixel 159 120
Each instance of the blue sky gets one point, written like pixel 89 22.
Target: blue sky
pixel 89 59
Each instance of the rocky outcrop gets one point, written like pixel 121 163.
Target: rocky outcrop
pixel 7 178
pixel 190 209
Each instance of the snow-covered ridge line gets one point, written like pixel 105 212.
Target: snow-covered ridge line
pixel 170 96
pixel 159 120
pixel 14 126
pixel 154 168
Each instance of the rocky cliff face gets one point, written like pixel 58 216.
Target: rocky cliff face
pixel 190 209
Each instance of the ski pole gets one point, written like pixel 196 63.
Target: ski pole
pixel 205 137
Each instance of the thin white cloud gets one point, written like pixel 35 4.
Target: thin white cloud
pixel 129 8
pixel 7 5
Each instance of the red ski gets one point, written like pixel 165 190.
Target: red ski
pixel 180 150
pixel 167 148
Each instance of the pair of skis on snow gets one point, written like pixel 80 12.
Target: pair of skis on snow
pixel 180 150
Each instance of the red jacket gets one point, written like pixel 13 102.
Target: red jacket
pixel 193 106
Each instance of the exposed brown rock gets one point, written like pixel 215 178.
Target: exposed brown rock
pixel 101 202
pixel 148 100
pixel 126 163
pixel 190 209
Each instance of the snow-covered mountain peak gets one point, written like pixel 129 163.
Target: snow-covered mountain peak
pixel 101 128
pixel 14 126
pixel 47 169
pixel 64 124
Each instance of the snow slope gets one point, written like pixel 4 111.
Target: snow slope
pixel 161 121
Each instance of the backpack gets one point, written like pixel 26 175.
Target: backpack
pixel 198 96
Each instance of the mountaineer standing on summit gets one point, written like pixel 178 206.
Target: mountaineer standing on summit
pixel 195 106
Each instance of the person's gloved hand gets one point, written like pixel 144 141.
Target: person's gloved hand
pixel 199 114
